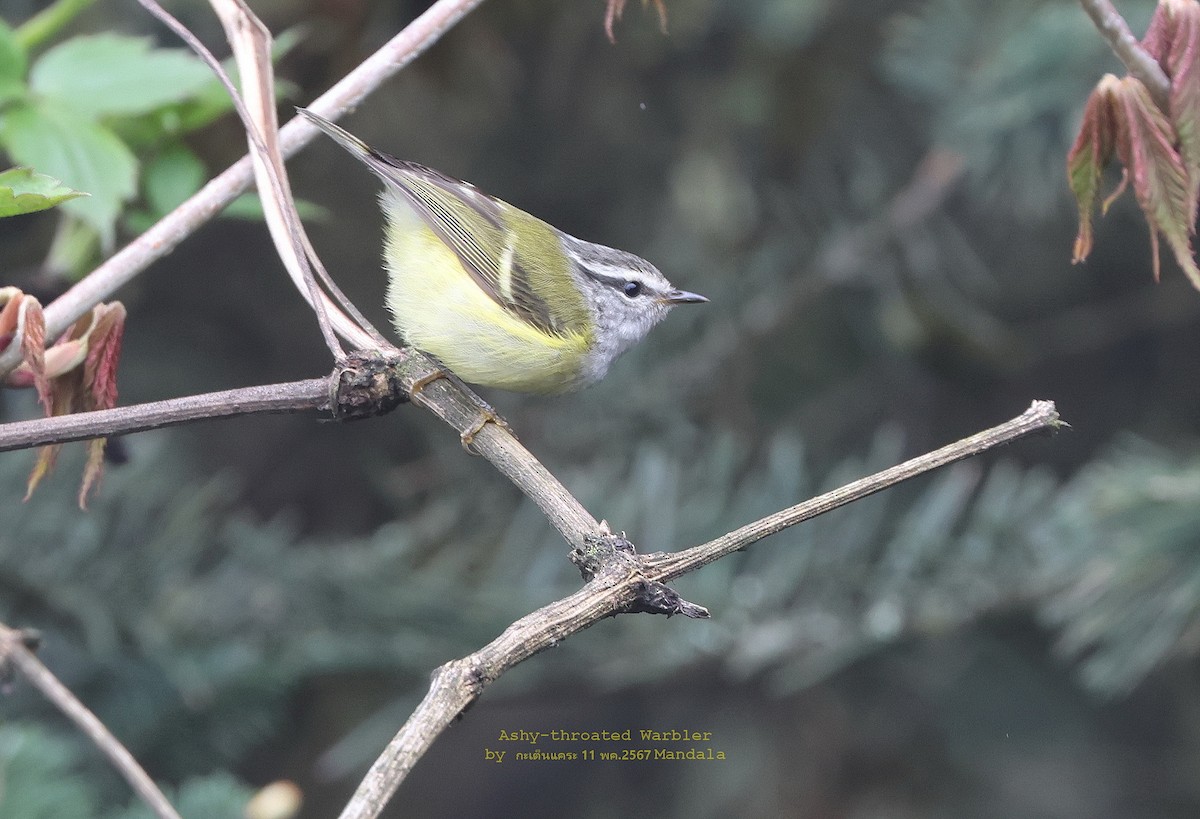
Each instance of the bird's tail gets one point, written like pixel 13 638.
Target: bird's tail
pixel 343 137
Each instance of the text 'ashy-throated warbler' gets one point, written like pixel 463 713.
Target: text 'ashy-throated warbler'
pixel 500 297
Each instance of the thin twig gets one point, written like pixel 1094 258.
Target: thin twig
pixel 295 396
pixel 13 652
pixel 665 566
pixel 1129 51
pixel 180 223
pixel 616 588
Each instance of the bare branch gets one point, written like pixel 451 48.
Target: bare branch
pixel 60 429
pixel 1129 51
pixel 625 582
pixel 459 407
pixel 14 653
pixel 667 566
pixel 362 385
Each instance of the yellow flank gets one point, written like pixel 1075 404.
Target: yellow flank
pixel 437 307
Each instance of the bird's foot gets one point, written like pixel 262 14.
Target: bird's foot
pixel 486 414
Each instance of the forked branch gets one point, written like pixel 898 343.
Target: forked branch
pixel 622 581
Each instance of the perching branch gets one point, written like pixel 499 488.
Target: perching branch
pixel 1129 51
pixel 618 579
pixel 621 581
pixel 15 654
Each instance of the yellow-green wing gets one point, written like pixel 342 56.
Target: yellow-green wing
pixel 515 258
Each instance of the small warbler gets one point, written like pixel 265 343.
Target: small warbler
pixel 500 297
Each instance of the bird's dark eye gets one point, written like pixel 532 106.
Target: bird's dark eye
pixel 632 289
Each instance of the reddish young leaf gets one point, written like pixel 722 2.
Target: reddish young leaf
pixel 63 390
pixel 21 319
pixel 47 457
pixel 99 383
pixel 93 470
pixel 81 371
pixel 33 348
pixel 1116 193
pixel 104 352
pixel 11 297
pixel 1092 151
pixel 1161 31
pixel 1181 66
pixel 1146 144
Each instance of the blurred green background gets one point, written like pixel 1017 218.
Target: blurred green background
pixel 873 196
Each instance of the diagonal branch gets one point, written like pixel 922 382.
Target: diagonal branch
pixel 14 653
pixel 622 581
pixel 669 565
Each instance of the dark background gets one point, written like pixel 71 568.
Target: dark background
pixel 873 196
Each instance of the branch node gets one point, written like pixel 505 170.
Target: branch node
pixel 599 551
pixel 617 557
pixel 367 385
pixel 658 598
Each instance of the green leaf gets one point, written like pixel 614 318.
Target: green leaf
pixel 74 251
pixel 25 191
pixel 41 774
pixel 114 74
pixel 206 104
pixel 12 65
pixel 82 153
pixel 171 178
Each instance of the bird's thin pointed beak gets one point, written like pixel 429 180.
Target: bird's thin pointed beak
pixel 682 297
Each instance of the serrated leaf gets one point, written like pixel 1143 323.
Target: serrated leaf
pixel 22 321
pixel 33 348
pixel 1182 68
pixel 1146 144
pixel 104 352
pixel 173 176
pixel 80 152
pixel 1092 151
pixel 25 191
pixel 12 65
pixel 83 365
pixel 114 74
